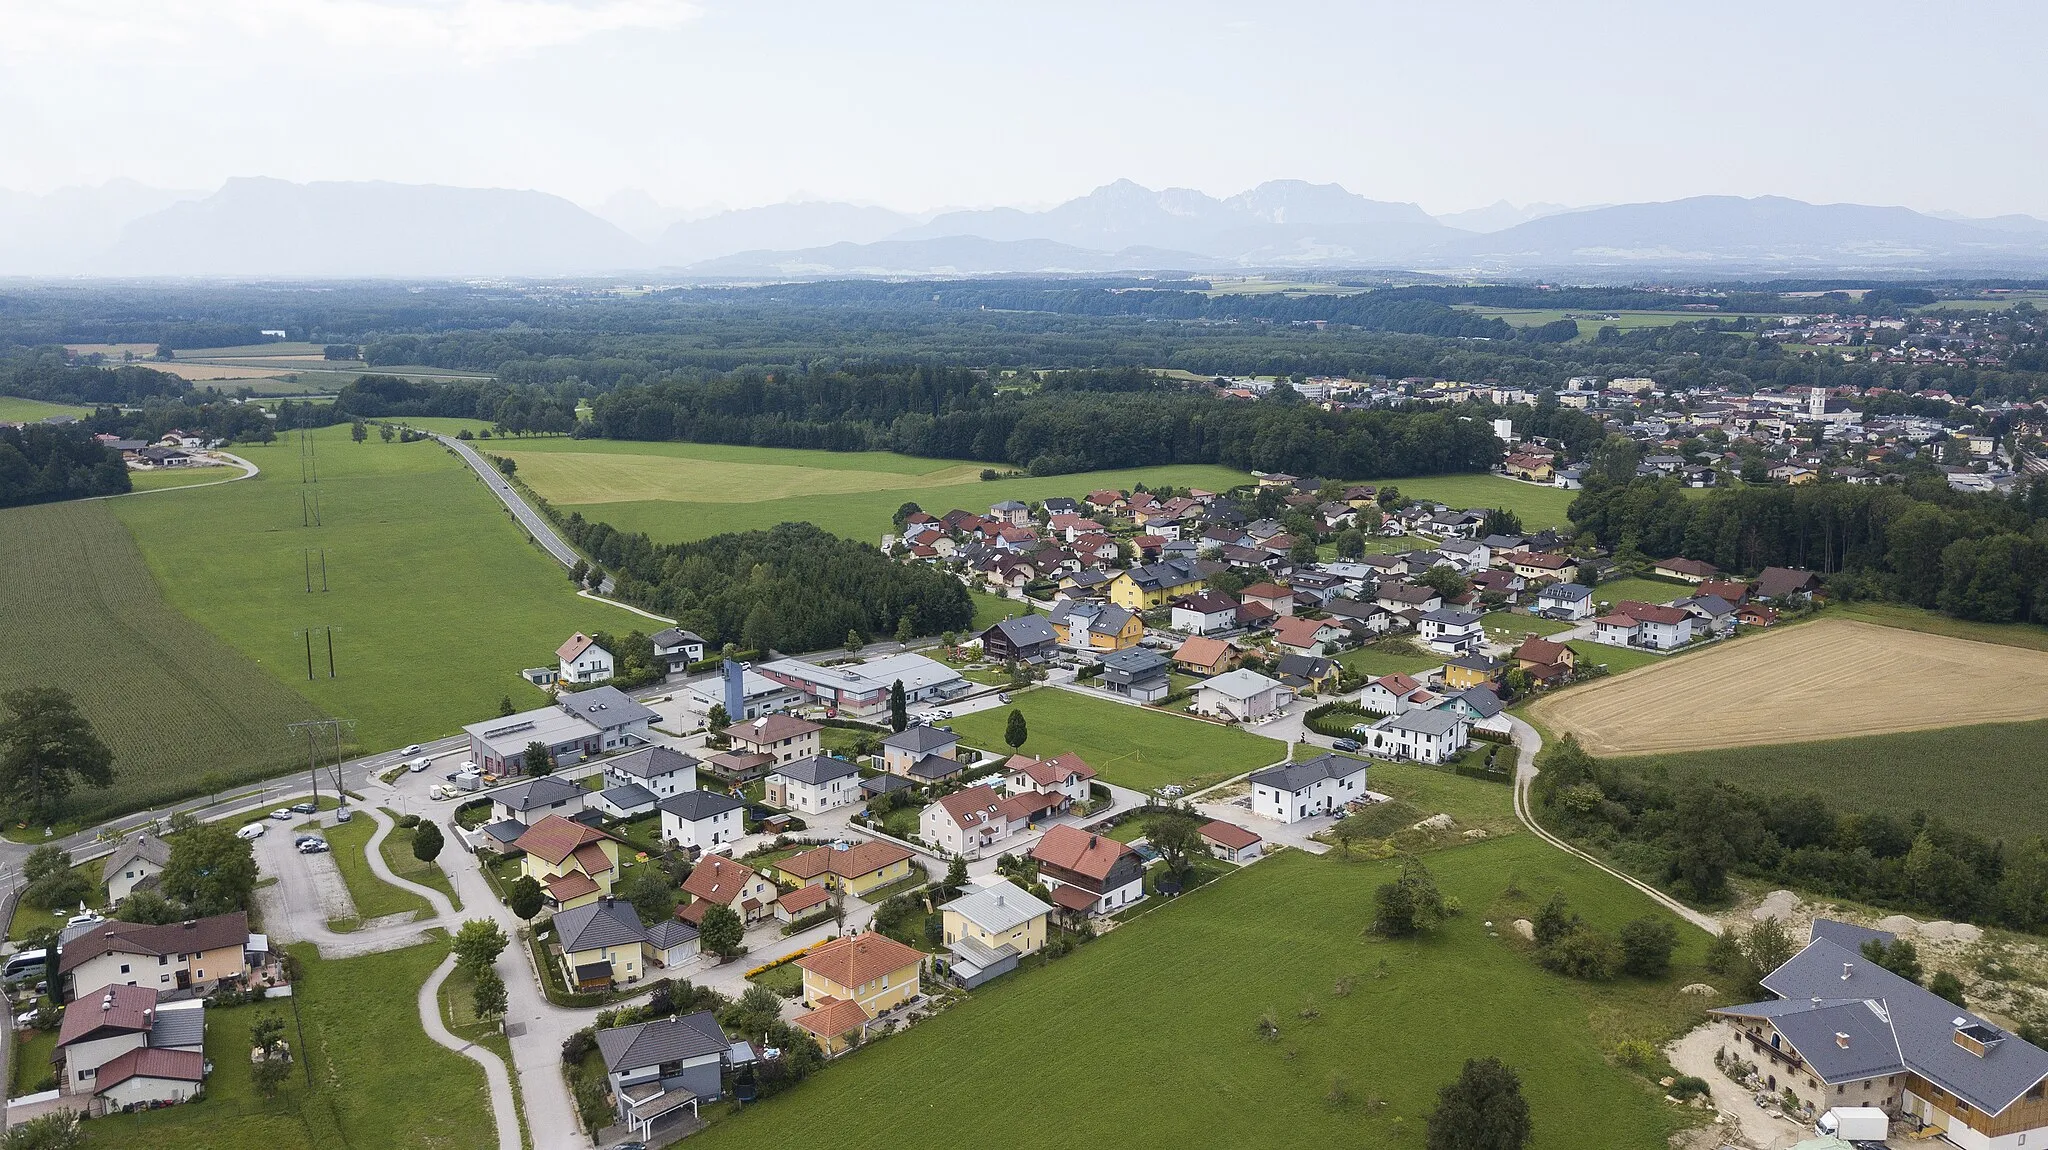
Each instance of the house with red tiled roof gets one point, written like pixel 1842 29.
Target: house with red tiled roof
pixel 583 661
pixel 1394 694
pixel 1206 656
pixel 1633 624
pixel 969 822
pixel 1066 776
pixel 111 1022
pixel 868 974
pixel 859 867
pixel 1308 636
pixel 1546 661
pixel 1088 873
pixel 574 862
pixel 717 880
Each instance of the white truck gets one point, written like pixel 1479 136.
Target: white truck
pixel 1855 1124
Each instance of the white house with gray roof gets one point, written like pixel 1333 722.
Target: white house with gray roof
pixel 701 819
pixel 134 863
pixel 664 772
pixel 531 802
pixel 1292 792
pixel 1568 601
pixel 1843 1031
pixel 1449 631
pixel 1426 736
pixel 1242 695
pixel 814 785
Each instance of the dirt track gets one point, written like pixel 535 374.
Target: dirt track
pixel 1829 679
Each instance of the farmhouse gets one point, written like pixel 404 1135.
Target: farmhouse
pixel 1319 786
pixel 1089 873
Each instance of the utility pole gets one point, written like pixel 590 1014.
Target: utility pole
pixel 319 733
pixel 308 633
pixel 330 649
pixel 323 570
pixel 306 561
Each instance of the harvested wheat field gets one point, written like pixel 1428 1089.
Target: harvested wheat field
pixel 1828 679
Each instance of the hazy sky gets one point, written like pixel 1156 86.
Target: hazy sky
pixel 913 105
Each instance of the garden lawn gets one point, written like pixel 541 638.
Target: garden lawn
pixel 374 898
pixel 1172 1053
pixel 682 491
pixel 378 1080
pixel 1539 507
pixel 1129 746
pixel 28 919
pixel 1367 661
pixel 1511 626
pixel 397 851
pixel 990 610
pixel 430 582
pixel 31 1065
pixel 1619 660
pixel 175 703
pixel 1984 776
pixel 1642 591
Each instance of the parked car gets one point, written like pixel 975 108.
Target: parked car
pixel 313 847
pixel 251 833
pixel 86 918
pixel 304 809
pixel 419 764
pixel 343 815
pixel 1345 745
pixel 282 815
pixel 411 749
pixel 1002 696
pixel 26 1019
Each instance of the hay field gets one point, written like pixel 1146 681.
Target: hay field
pixel 1829 679
pixel 593 477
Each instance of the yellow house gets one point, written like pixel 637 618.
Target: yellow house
pixel 1142 588
pixel 850 982
pixel 1088 626
pixel 1536 468
pixel 997 915
pixel 1472 671
pixel 859 868
pixel 575 863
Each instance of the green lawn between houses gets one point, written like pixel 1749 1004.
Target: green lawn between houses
pixel 374 898
pixel 378 1080
pixel 1129 746
pixel 1538 506
pixel 1619 660
pixel 1165 1009
pixel 430 582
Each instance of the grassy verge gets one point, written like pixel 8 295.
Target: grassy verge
pixel 31 1065
pixel 2027 635
pixel 1127 745
pixel 374 898
pixel 397 851
pixel 458 1014
pixel 1539 507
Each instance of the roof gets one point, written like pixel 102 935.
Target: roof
pixel 1649 613
pixel 1051 772
pixel 1295 631
pixel 1686 566
pixel 1239 684
pixel 1263 590
pixel 979 805
pixel 149 1062
pixel 884 784
pixel 146 847
pixel 1482 700
pixel 1229 836
pixel 1026 631
pixel 1134 660
pixel 719 879
pixel 771 728
pixel 555 838
pixel 1396 684
pixel 815 769
pixel 804 898
pixel 676 637
pixel 548 726
pixel 861 959
pixel 1296 777
pixel 1202 651
pixel 606 707
pixel 934 767
pixel 695 806
pixel 998 906
pixel 669 933
pixel 1073 897
pixel 1207 602
pixel 971 956
pixel 577 644
pixel 921 739
pixel 856 860
pixel 542 792
pixel 836 1017
pixel 1540 650
pixel 1305 666
pixel 606 922
pixel 1566 592
pixel 1774 582
pixel 107 1011
pixel 1407 593
pixel 505 831
pixel 1422 722
pixel 1071 848
pixel 1452 616
pixel 181 1023
pixel 627 797
pixel 914 671
pixel 570 887
pixel 192 935
pixel 1104 618
pixel 672 1039
pixel 651 762
pixel 1172 573
pixel 1847 934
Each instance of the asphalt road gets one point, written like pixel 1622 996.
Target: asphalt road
pixel 535 523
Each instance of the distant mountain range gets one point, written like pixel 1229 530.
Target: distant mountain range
pixel 252 228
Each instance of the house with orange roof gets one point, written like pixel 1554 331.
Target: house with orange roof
pixel 1308 636
pixel 717 880
pixel 850 982
pixel 1633 624
pixel 1394 694
pixel 1088 873
pixel 1066 776
pixel 970 821
pixel 575 863
pixel 859 868
pixel 583 661
pixel 1205 656
pixel 1546 661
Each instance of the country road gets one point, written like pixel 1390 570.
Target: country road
pixel 536 524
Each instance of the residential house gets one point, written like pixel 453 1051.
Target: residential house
pixel 1138 673
pixel 1065 778
pixel 701 819
pixel 1482 708
pixel 1363 619
pixel 1308 636
pixel 1205 656
pixel 1473 670
pixel 147 1077
pixel 1011 512
pixel 1398 597
pixel 1028 639
pixel 603 943
pixel 1088 873
pixel 663 772
pixel 1426 736
pixel 813 785
pixel 1689 570
pixel 857 868
pixel 968 822
pixel 1466 555
pixel 989 927
pixel 1531 468
pixel 1242 695
pixel 1142 588
pixel 1539 564
pixel 135 864
pixel 1204 613
pixel 1231 843
pixel 620 720
pixel 785 738
pixel 1732 591
pixel 1451 632
pixel 1546 661
pixel 1570 602
pixel 1711 614
pixel 1632 624
pixel 195 955
pixel 529 802
pixel 907 747
pixel 1779 583
pixel 658 1069
pixel 1393 694
pixel 1291 792
pixel 796 905
pixel 1755 615
pixel 678 648
pixel 1272 596
pixel 101 1029
pixel 851 982
pixel 719 881
pixel 576 864
pixel 1085 625
pixel 583 661
pixel 1839 1030
pixel 1308 673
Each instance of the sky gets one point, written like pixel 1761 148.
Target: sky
pixel 923 105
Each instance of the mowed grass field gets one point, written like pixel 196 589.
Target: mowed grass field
pixel 1538 506
pixel 1828 679
pixel 80 611
pixel 683 491
pixel 1164 1012
pixel 436 598
pixel 1986 776
pixel 14 409
pixel 1129 746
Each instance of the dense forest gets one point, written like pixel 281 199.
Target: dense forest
pixel 795 587
pixel 42 373
pixel 1973 556
pixel 42 464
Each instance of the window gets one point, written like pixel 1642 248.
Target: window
pixel 124 968
pixel 163 960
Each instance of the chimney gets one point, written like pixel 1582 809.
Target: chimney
pixel 1841 1040
pixel 1846 967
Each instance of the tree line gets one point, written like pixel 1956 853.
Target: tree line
pixel 42 463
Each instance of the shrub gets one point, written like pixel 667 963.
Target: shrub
pixel 1583 953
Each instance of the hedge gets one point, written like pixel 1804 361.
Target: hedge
pixel 717 661
pixel 1320 720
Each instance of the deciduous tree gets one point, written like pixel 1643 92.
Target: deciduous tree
pixel 1482 1110
pixel 721 931
pixel 525 897
pixel 46 749
pixel 426 841
pixel 478 943
pixel 210 870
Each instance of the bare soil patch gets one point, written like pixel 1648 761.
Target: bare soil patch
pixel 1829 679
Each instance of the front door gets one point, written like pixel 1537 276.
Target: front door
pixel 184 980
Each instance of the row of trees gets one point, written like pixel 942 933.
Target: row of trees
pixel 42 464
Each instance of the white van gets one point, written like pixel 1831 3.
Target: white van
pixel 28 963
pixel 251 833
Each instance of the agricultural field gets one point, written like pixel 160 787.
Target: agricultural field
pixel 683 491
pixel 378 1080
pixel 176 703
pixel 1985 776
pixel 1828 679
pixel 1130 746
pixel 1174 1056
pixel 1538 506
pixel 14 409
pixel 436 598
pixel 2030 635
pixel 180 477
pixel 1591 321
